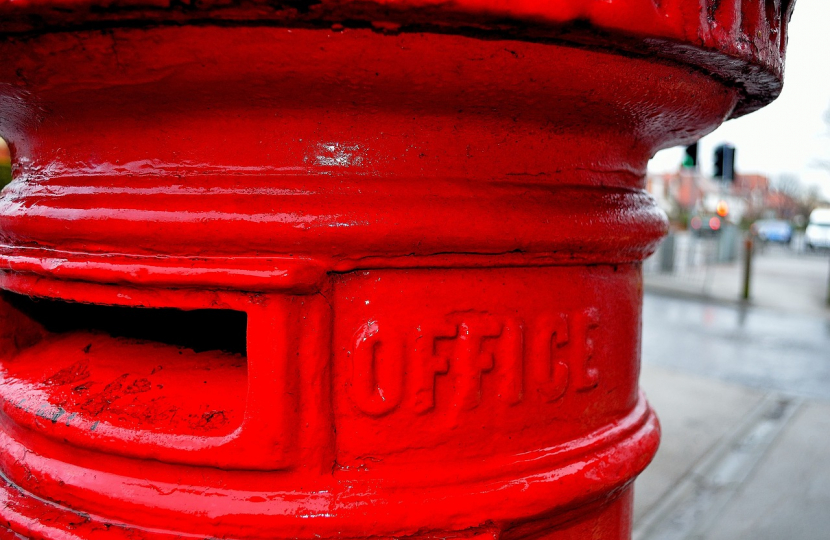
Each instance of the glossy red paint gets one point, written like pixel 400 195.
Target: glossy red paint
pixel 309 272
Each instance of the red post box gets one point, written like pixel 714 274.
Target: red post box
pixel 341 269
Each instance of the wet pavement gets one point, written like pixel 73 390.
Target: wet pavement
pixel 743 395
pixel 755 347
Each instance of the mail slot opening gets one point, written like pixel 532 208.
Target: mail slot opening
pixel 163 370
pixel 200 329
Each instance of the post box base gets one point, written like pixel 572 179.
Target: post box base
pixel 587 490
pixel 25 516
pixel 462 400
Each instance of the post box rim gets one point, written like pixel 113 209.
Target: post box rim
pixel 742 46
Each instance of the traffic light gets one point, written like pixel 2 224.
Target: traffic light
pixel 725 162
pixel 690 158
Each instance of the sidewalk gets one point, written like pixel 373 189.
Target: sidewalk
pixel 734 463
pixel 739 459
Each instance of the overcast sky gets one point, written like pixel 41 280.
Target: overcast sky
pixel 788 136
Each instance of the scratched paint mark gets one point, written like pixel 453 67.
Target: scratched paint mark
pixel 94 425
pixel 47 412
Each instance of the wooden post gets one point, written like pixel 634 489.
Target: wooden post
pixel 748 249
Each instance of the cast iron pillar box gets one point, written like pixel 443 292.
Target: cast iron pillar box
pixel 341 269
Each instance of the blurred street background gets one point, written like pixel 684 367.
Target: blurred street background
pixel 743 394
pixel 736 319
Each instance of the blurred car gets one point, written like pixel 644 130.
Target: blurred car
pixel 706 224
pixel 773 230
pixel 817 234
